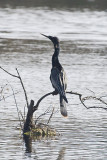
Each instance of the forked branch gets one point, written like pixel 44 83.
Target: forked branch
pixel 19 77
pixel 82 100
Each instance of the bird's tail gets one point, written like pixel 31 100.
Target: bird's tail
pixel 62 93
pixel 63 109
pixel 64 97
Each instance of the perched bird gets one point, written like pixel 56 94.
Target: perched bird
pixel 58 76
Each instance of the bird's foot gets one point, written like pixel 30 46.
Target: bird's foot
pixel 54 93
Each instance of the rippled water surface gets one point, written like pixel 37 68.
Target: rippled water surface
pixel 83 42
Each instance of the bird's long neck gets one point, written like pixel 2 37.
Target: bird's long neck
pixel 55 60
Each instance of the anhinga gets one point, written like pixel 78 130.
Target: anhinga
pixel 58 76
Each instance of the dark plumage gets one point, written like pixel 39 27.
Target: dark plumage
pixel 58 76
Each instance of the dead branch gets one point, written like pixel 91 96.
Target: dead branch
pixel 16 105
pixel 50 116
pixel 1 92
pixel 23 87
pixel 2 88
pixel 8 96
pixel 46 112
pixel 82 100
pixel 23 119
pixel 9 73
pixel 90 91
pixel 105 108
pixel 91 97
pixel 95 98
pixel 19 77
pixel 38 102
pixel 80 97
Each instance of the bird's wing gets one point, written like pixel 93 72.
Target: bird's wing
pixel 63 79
pixel 57 80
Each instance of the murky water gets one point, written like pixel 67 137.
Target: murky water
pixel 83 41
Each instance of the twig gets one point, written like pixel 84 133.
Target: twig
pixel 91 91
pixel 95 98
pixel 47 111
pixel 24 112
pixel 91 97
pixel 1 92
pixel 22 116
pixel 80 97
pixel 50 116
pixel 2 88
pixel 16 106
pixel 97 107
pixel 9 73
pixel 23 87
pixel 8 96
pixel 87 98
pixel 19 77
pixel 75 93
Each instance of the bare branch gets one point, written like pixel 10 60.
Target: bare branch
pixel 22 116
pixel 24 112
pixel 47 111
pixel 38 102
pixel 23 87
pixel 80 97
pixel 16 106
pixel 105 108
pixel 50 116
pixel 90 90
pixel 2 88
pixel 8 96
pixel 1 92
pixel 75 93
pixel 82 100
pixel 87 98
pixel 19 77
pixel 95 98
pixel 9 73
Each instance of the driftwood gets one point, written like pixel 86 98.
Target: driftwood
pixel 29 124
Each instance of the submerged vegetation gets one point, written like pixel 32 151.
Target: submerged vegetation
pixel 41 130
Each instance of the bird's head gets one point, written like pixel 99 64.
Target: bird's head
pixel 55 40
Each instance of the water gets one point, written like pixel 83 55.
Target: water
pixel 83 41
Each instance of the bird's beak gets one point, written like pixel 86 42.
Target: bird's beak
pixel 47 36
pixel 44 35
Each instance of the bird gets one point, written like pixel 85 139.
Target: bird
pixel 58 75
